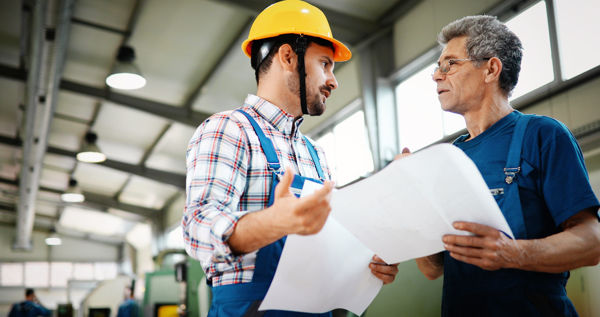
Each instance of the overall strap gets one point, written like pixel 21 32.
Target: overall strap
pixel 315 158
pixel 265 143
pixel 513 161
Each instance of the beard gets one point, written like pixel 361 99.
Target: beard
pixel 314 105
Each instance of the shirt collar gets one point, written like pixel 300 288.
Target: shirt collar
pixel 279 119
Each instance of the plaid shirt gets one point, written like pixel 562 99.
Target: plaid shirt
pixel 227 177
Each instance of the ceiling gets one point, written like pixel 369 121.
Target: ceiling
pixel 188 51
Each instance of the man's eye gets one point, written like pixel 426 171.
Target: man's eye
pixel 451 62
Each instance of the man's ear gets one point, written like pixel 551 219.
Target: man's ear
pixel 287 57
pixel 493 69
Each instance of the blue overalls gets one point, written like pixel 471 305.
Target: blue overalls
pixel 471 291
pixel 244 299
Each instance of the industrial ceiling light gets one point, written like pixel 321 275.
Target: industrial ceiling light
pixel 53 238
pixel 126 75
pixel 90 153
pixel 73 193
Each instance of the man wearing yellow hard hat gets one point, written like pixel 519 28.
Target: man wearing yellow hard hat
pixel 240 203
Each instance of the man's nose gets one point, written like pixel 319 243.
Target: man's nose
pixel 437 75
pixel 332 82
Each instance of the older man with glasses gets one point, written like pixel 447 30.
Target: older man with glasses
pixel 535 170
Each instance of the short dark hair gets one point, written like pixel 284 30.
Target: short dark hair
pixel 261 67
pixel 487 37
pixel 29 292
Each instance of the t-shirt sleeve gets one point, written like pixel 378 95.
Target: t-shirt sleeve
pixel 564 178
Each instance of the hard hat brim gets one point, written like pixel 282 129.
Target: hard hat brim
pixel 341 51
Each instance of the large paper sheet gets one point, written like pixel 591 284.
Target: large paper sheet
pixel 322 272
pixel 400 213
pixel 403 211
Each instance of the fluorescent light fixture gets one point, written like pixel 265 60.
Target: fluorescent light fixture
pixel 53 241
pixel 73 193
pixel 53 238
pixel 90 152
pixel 126 75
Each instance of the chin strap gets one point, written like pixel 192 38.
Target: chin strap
pixel 301 44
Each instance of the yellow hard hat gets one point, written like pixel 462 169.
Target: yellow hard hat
pixel 294 17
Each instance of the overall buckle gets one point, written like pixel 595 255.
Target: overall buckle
pixel 511 173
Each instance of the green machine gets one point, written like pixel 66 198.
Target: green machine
pixel 177 288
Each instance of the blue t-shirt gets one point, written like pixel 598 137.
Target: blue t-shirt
pixel 553 186
pixel 28 309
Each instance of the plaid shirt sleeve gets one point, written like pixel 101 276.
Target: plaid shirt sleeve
pixel 217 161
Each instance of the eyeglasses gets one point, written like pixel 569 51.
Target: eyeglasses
pixel 445 66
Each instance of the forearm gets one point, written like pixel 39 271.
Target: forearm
pixel 256 230
pixel 578 245
pixel 431 266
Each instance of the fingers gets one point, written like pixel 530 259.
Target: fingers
pixel 405 153
pixel 476 228
pixel 385 272
pixel 283 188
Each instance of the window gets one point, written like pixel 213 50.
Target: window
pixel 83 271
pixel 60 273
pixel 36 274
pixel 105 270
pixel 536 66
pixel 577 24
pixel 421 120
pixel 347 149
pixel 11 274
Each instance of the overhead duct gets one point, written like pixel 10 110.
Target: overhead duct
pixel 47 55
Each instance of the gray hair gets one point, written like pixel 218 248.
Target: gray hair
pixel 487 37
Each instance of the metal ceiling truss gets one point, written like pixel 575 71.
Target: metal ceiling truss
pixel 49 40
pixel 175 179
pixel 170 112
pixel 99 202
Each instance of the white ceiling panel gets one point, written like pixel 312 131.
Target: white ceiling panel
pixel 45 208
pixel 128 126
pixel 119 151
pixel 126 215
pixel 167 162
pixel 111 13
pixel 169 152
pixel 94 222
pixel 76 105
pixel 144 192
pixel 229 85
pixel 62 162
pixel 99 179
pixel 10 31
pixel 90 55
pixel 66 134
pixel 52 178
pixel 12 96
pixel 48 196
pixel 192 36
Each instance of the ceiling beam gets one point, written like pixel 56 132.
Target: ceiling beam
pixel 171 178
pixel 171 112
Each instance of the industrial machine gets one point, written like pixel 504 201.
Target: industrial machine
pixel 176 288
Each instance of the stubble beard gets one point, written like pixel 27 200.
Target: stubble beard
pixel 314 104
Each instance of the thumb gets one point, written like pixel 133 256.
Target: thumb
pixel 283 188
